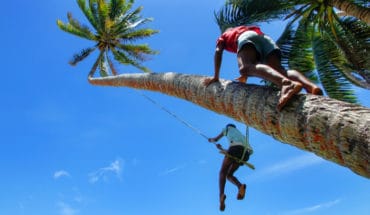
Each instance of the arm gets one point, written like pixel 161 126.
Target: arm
pixel 215 139
pixel 217 64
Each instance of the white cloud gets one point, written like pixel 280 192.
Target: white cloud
pixel 313 208
pixel 114 168
pixel 290 165
pixel 65 209
pixel 61 173
pixel 294 164
pixel 172 170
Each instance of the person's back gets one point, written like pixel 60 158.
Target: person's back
pixel 231 35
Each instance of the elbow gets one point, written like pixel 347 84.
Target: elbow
pixel 219 50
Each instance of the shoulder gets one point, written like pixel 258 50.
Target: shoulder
pixel 220 43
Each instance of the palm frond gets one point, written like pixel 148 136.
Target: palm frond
pixel 125 59
pixel 138 34
pixel 353 41
pixel 247 12
pixel 96 64
pixel 111 65
pixel 122 28
pixel 115 8
pixel 124 21
pixel 93 6
pixel 330 65
pixel 83 28
pixel 103 14
pixel 285 43
pixel 67 27
pixel 138 52
pixel 87 12
pixel 139 22
pixel 298 12
pixel 125 11
pixel 295 45
pixel 103 65
pixel 84 53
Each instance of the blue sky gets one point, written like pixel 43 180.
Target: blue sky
pixel 69 148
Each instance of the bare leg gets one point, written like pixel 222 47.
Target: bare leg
pixel 307 84
pixel 230 174
pixel 273 60
pixel 226 164
pixel 247 58
pixel 241 187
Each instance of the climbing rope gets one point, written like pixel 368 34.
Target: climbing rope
pixel 173 115
pixel 222 151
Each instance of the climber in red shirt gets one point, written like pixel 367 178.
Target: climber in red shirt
pixel 259 56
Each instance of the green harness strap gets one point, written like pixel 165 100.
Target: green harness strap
pixel 224 152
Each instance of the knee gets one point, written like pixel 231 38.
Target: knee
pixel 230 177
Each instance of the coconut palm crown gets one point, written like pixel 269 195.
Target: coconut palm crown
pixel 116 28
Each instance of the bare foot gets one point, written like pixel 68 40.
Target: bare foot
pixel 242 79
pixel 288 89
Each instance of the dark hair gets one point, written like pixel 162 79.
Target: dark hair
pixel 231 125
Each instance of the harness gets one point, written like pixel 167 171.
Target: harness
pixel 245 149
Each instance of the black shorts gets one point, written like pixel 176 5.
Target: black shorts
pixel 237 152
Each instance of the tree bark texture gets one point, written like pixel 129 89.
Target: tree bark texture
pixel 361 13
pixel 334 130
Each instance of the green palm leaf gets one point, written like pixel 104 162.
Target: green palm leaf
pixel 82 28
pixel 354 41
pixel 96 64
pixel 123 22
pixel 115 8
pixel 330 65
pixel 103 15
pixel 111 65
pixel 87 12
pixel 295 45
pixel 126 59
pixel 138 52
pixel 103 65
pixel 247 12
pixel 81 56
pixel 138 34
pixel 73 30
pixel 93 6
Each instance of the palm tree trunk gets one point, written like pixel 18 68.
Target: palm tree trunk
pixel 361 13
pixel 334 130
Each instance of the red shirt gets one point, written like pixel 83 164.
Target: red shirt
pixel 230 37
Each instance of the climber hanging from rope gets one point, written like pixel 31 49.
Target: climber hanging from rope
pixel 237 154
